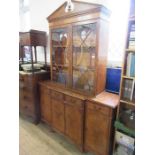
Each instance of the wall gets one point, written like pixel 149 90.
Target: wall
pixel 41 9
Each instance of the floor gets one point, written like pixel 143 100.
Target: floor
pixel 39 140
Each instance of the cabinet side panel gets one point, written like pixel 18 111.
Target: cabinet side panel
pixel 103 35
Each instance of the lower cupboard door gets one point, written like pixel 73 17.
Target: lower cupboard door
pixel 74 123
pixel 58 116
pixel 97 132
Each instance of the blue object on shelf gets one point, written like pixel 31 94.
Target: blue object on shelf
pixel 113 79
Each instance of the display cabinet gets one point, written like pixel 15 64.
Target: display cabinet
pixel 78 52
pixel 31 71
pixel 79 45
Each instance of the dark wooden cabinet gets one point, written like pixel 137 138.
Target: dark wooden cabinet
pixel 31 72
pixel 29 94
pixel 74 118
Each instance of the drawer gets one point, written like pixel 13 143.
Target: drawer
pixel 28 109
pixel 27 96
pixel 100 108
pixel 57 95
pixel 26 88
pixel 26 80
pixel 73 100
pixel 25 84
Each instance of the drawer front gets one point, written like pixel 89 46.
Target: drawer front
pixel 27 106
pixel 26 89
pixel 25 39
pixel 73 101
pixel 27 98
pixel 26 80
pixel 56 95
pixel 100 108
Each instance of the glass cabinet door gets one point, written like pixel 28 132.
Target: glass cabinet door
pixel 84 49
pixel 60 61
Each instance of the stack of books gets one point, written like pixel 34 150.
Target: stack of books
pixel 130 68
pixel 128 89
pixel 132 37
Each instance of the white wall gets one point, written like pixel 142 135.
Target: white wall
pixel 41 9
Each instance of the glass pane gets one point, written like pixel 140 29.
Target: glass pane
pixel 84 49
pixel 40 54
pixel 26 54
pixel 60 55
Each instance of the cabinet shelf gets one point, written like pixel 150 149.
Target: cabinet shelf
pixel 128 77
pixel 120 126
pixel 132 18
pixel 59 46
pixel 127 102
pixel 130 50
pixel 59 65
pixel 80 67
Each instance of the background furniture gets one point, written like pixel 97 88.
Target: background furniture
pixel 30 73
pixel 125 124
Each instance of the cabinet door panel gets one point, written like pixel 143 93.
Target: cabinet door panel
pixel 60 55
pixel 84 54
pixel 97 131
pixel 46 108
pixel 74 122
pixel 58 115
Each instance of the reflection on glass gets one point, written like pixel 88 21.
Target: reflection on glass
pixel 60 56
pixel 26 54
pixel 84 47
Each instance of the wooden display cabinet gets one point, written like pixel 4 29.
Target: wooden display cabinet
pixel 79 42
pixel 78 50
pixel 31 72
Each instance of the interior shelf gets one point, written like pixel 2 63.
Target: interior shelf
pixel 127 77
pixel 132 18
pixel 122 127
pixel 59 46
pixel 80 67
pixel 127 102
pixel 130 50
